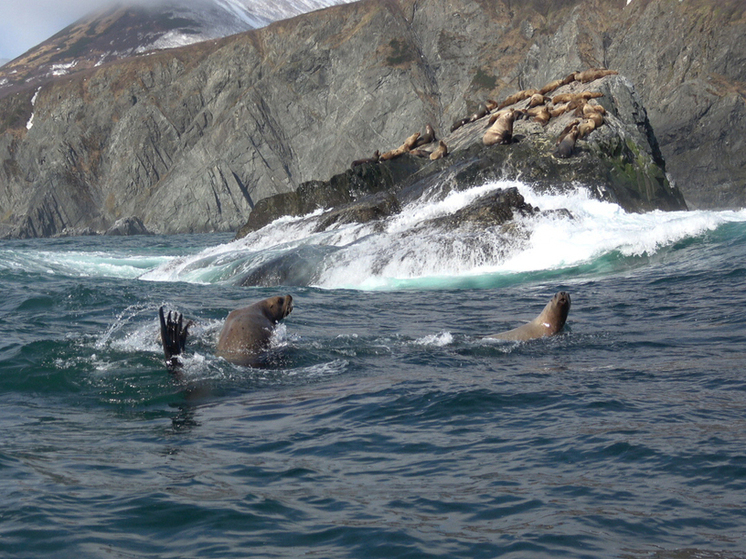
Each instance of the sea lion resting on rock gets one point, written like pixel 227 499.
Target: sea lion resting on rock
pixel 246 331
pixel 375 159
pixel 501 128
pixel 440 152
pixel 427 138
pixel 549 322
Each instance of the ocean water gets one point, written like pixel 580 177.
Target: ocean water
pixel 382 423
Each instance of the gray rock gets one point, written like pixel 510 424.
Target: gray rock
pixel 128 226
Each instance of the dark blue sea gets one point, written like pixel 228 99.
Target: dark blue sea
pixel 381 423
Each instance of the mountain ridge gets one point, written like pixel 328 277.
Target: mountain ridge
pixel 123 30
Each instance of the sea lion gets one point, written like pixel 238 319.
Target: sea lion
pixel 246 331
pixel 540 114
pixel 585 128
pixel 536 100
pixel 559 110
pixel 427 138
pixel 566 142
pixel 419 152
pixel 569 78
pixel 458 123
pixel 410 142
pixel 173 337
pixel 549 322
pixel 376 157
pixel 440 151
pixel 517 98
pixel 563 98
pixel 394 153
pixel 501 128
pixel 551 86
pixel 481 111
pixel 594 74
pixel 490 104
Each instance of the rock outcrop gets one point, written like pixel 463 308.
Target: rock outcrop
pixel 190 140
pixel 618 161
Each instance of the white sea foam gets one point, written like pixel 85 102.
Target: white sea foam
pixel 402 252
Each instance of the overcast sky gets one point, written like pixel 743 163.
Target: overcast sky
pixel 26 23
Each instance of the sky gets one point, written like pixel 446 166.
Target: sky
pixel 26 23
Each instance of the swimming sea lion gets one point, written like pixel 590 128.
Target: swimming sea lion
pixel 549 322
pixel 248 330
pixel 440 151
pixel 245 333
pixel 173 337
pixel 501 128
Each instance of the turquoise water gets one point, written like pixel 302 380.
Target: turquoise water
pixel 382 423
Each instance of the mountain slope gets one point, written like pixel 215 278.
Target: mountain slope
pixel 124 30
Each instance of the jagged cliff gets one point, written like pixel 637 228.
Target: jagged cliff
pixel 191 139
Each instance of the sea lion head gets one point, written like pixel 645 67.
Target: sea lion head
pixel 277 308
pixel 555 313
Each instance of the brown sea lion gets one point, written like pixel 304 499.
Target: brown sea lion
pixel 559 110
pixel 490 104
pixel 597 118
pixel 551 86
pixel 549 322
pixel 594 74
pixel 440 152
pixel 563 98
pixel 517 98
pixel 585 128
pixel 536 100
pixel 394 153
pixel 246 332
pixel 376 157
pixel 540 114
pixel 410 142
pixel 427 138
pixel 501 128
pixel 569 78
pixel 418 152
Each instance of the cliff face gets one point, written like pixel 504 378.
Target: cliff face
pixel 190 139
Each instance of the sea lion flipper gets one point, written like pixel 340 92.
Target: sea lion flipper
pixel 173 336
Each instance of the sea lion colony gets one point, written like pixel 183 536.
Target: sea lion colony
pixel 541 108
